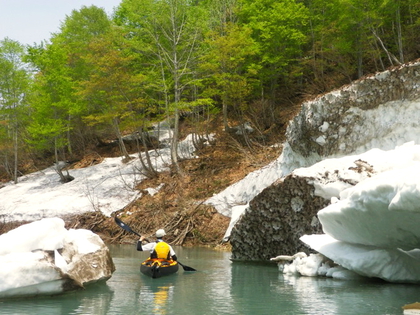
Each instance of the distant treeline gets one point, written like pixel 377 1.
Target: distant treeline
pixel 101 76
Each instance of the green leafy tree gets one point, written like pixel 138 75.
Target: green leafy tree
pixel 57 109
pixel 114 88
pixel 76 32
pixel 14 85
pixel 227 63
pixel 50 99
pixel 350 38
pixel 168 32
pixel 278 28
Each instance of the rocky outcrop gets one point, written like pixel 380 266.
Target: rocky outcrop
pixel 379 111
pixel 337 123
pixel 275 220
pixel 283 212
pixel 85 266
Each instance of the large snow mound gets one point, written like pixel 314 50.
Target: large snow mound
pixel 43 257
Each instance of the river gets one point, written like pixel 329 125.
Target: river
pixel 219 286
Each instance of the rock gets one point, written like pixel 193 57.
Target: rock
pixel 283 212
pixel 87 257
pixel 275 220
pixel 43 258
pixel 335 124
pixel 346 113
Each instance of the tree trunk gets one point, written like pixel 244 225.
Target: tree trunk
pixel 399 33
pixel 225 114
pixel 149 170
pixel 121 143
pixel 15 145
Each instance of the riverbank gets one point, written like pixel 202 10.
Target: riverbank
pixel 177 200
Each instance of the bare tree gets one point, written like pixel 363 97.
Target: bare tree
pixel 175 31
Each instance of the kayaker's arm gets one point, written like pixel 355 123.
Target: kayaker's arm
pixel 139 243
pixel 172 253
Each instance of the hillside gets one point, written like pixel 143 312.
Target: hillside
pixel 178 205
pixel 380 105
pixel 378 112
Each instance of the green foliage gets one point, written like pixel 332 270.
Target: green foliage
pixel 114 87
pixel 157 58
pixel 14 85
pixel 14 78
pixel 278 28
pixel 168 33
pixel 57 109
pixel 47 133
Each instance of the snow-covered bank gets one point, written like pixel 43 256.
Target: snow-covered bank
pixel 327 152
pixel 44 258
pixel 380 111
pixel 355 135
pixel 106 187
pixel 371 226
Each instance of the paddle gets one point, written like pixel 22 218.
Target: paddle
pixel 186 268
pixel 128 229
pixel 125 226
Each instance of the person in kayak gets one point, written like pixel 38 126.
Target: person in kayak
pixel 158 249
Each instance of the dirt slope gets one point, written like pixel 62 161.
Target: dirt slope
pixel 178 206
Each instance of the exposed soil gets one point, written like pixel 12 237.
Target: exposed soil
pixel 178 206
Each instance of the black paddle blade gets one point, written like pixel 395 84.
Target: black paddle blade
pixel 187 268
pixel 128 229
pixel 124 226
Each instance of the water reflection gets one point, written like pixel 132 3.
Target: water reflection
pixel 253 289
pixel 159 299
pixel 220 300
pixel 328 296
pixel 156 298
pixel 96 299
pixel 218 287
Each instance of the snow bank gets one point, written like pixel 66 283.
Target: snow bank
pixel 371 228
pixel 44 258
pixel 393 265
pixel 106 187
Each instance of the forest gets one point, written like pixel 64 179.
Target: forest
pixel 101 78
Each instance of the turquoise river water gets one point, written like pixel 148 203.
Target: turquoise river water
pixel 218 287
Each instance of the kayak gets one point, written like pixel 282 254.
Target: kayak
pixel 157 267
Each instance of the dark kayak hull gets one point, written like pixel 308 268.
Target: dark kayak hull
pixel 157 268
